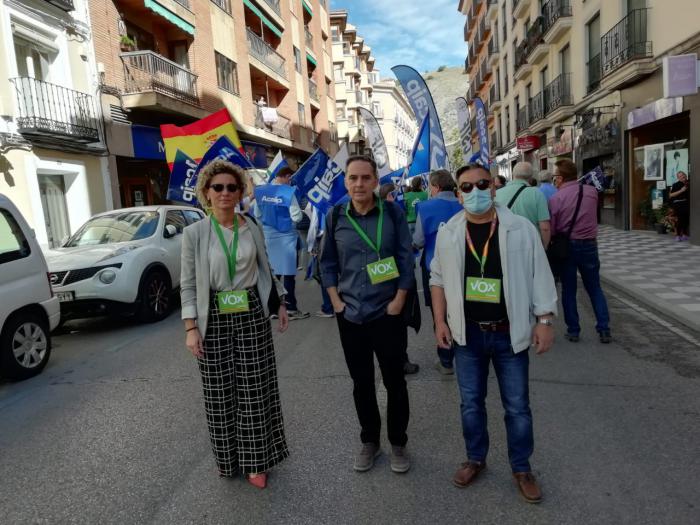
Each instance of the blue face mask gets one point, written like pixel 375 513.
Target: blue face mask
pixel 477 201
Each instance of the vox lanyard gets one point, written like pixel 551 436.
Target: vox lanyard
pixel 361 232
pixel 485 254
pixel 230 251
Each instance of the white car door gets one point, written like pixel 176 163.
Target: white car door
pixel 173 245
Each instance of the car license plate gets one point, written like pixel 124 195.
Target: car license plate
pixel 65 296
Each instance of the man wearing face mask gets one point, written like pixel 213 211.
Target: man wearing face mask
pixel 493 298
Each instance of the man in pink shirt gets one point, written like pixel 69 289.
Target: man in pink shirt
pixel 582 249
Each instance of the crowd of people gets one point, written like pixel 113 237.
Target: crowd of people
pixel 487 259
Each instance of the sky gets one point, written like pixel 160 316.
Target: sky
pixel 424 34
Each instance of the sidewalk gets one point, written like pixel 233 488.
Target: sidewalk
pixel 654 269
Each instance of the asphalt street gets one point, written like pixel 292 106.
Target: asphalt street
pixel 114 431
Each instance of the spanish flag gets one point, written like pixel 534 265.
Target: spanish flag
pixel 195 139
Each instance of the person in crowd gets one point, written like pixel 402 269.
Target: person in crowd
pixel 499 181
pixel 326 311
pixel 680 202
pixel 412 197
pixel 546 186
pixel 431 214
pixel 303 232
pixel 367 267
pixel 386 193
pixel 493 297
pixel 228 290
pixel 556 181
pixel 533 182
pixel 526 201
pixel 582 253
pixel 277 208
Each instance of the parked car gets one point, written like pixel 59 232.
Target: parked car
pixel 28 309
pixel 124 261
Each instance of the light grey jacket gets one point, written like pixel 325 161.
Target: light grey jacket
pixel 528 285
pixel 194 278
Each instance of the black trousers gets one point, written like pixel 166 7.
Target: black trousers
pixel 384 337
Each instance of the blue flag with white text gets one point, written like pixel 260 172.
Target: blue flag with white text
pixel 183 180
pixel 321 180
pixel 224 149
pixel 596 178
pixel 482 132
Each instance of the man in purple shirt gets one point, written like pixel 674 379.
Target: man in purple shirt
pixel 583 249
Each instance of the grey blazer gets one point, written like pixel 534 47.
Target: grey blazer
pixel 194 278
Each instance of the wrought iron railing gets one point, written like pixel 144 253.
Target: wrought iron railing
pixel 281 126
pixel 521 52
pixel 522 120
pixel 309 38
pixel 494 95
pixel 625 42
pixel 225 5
pixel 558 93
pixel 535 34
pixel 313 90
pixel 594 73
pixel 536 106
pixel 46 108
pixel 263 51
pixel 275 5
pixel 553 11
pixel 148 71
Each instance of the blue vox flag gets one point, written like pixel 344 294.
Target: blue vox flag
pixel 421 102
pixel 224 149
pixel 183 180
pixel 321 180
pixel 595 177
pixel 482 132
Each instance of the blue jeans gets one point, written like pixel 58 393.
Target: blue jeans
pixel 472 368
pixel 326 305
pixel 289 283
pixel 583 256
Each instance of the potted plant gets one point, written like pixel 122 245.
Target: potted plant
pixel 661 219
pixel 126 43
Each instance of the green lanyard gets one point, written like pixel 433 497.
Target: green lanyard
pixel 362 233
pixel 230 251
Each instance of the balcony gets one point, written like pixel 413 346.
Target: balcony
pixel 65 5
pixel 557 19
pixel 279 125
pixel 520 8
pixel 54 114
pixel 485 70
pixel 470 24
pixel 493 50
pixel 626 54
pixel 484 32
pixel 594 74
pixel 492 12
pixel 537 48
pixel 536 107
pixel 557 94
pixel 309 38
pixel 313 92
pixel 152 80
pixel 274 5
pixel 522 120
pixel 522 67
pixel 494 98
pixel 264 55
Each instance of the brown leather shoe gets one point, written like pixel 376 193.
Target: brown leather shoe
pixel 527 484
pixel 468 473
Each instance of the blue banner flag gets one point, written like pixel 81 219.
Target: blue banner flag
pixel 421 102
pixel 482 132
pixel 183 180
pixel 596 178
pixel 321 180
pixel 224 149
pixel 255 153
pixel 420 156
pixel 276 165
pixel 394 177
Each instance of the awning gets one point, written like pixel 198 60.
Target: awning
pixel 169 16
pixel 272 27
pixel 307 7
pixel 311 59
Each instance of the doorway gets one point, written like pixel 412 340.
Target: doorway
pixel 52 191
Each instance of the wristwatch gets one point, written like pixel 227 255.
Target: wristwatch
pixel 546 322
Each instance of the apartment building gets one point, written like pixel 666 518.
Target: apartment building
pixel 52 154
pixel 584 79
pixel 174 61
pixel 396 120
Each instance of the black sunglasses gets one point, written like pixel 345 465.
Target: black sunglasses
pixel 467 187
pixel 232 188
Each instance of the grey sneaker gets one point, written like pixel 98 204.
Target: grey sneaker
pixel 399 461
pixel 443 369
pixel 365 459
pixel 298 314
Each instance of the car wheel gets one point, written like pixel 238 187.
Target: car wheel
pixel 25 346
pixel 155 297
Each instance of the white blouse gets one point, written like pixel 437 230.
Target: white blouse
pixel 246 260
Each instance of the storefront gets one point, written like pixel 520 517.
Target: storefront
pixel 506 161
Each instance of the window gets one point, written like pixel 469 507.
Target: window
pixel 338 74
pixel 505 74
pixel 226 73
pixel 528 92
pixel 340 110
pixel 507 124
pixel 192 216
pixel 516 103
pixel 225 5
pixel 302 114
pixel 346 48
pixel 13 243
pixel 297 60
pixel 593 33
pixel 544 77
pixel 335 33
pixel 565 60
pixel 175 218
pixel 504 25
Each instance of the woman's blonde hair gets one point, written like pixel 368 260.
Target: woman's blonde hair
pixel 217 167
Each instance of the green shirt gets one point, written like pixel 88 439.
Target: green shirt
pixel 412 198
pixel 531 203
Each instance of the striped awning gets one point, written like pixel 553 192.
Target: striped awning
pixel 311 59
pixel 270 25
pixel 307 7
pixel 171 17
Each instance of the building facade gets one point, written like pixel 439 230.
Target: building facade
pixel 396 120
pixel 583 79
pixel 175 61
pixel 52 151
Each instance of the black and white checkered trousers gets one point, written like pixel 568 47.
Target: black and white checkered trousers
pixel 241 395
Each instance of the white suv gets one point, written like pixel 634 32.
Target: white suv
pixel 28 310
pixel 122 261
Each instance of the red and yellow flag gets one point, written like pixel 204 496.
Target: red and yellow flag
pixel 195 139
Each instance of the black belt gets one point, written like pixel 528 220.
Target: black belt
pixel 492 326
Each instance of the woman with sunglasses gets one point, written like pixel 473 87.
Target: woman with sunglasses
pixel 228 292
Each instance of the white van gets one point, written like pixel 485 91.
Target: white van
pixel 28 308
